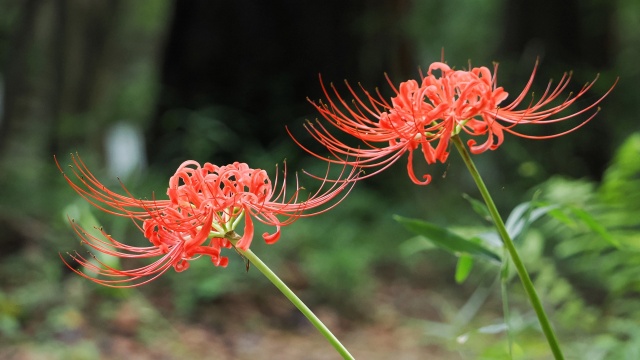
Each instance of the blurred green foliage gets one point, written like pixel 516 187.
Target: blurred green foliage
pixel 583 258
pixel 355 260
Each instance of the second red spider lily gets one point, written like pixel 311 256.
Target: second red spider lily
pixel 426 114
pixel 206 203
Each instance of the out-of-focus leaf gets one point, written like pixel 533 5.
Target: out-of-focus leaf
pixel 504 285
pixel 515 221
pixel 415 244
pixel 463 268
pixel 620 183
pixel 478 206
pixel 523 215
pixel 560 215
pixel 493 329
pixel 595 226
pixel 446 239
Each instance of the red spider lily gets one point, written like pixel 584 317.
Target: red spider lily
pixel 427 114
pixel 205 205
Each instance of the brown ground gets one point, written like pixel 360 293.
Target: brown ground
pixel 232 328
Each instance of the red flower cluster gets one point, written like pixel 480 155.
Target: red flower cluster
pixel 426 114
pixel 205 204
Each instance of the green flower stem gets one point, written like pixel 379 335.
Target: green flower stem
pixel 508 243
pixel 264 269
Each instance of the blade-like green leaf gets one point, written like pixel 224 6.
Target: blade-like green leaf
pixel 523 215
pixel 515 221
pixel 445 239
pixel 493 329
pixel 595 226
pixel 478 206
pixel 463 268
pixel 504 284
pixel 559 215
pixel 415 245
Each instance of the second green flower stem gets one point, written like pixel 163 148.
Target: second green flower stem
pixel 295 300
pixel 508 243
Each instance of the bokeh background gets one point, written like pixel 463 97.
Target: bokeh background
pixel 137 87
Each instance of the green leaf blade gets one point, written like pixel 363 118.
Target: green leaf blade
pixel 463 268
pixel 445 239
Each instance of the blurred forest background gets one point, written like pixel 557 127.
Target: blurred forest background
pixel 137 87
